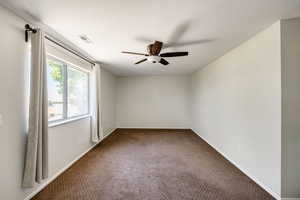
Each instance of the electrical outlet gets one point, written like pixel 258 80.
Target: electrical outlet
pixel 1 120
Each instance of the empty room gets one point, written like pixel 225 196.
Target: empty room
pixel 150 100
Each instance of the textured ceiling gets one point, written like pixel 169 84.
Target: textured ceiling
pixel 115 25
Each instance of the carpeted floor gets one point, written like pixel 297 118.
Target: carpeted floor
pixel 152 165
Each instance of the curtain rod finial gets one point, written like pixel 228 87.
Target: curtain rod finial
pixel 28 28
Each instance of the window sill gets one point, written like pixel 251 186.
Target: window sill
pixel 54 124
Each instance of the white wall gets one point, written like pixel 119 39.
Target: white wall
pixel 237 107
pixel 108 104
pixel 153 102
pixel 291 108
pixel 13 75
pixel 66 142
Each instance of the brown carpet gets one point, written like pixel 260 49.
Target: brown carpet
pixel 152 165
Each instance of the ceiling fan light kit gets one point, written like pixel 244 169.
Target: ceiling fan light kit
pixel 154 55
pixel 154 59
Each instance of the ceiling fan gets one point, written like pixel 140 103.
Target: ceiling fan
pixel 154 54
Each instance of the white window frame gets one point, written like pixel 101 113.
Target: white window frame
pixel 65 118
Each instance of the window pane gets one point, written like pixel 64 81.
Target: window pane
pixel 55 89
pixel 77 92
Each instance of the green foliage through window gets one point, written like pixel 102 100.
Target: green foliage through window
pixel 57 74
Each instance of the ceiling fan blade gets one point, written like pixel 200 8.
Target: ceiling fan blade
pixel 179 31
pixel 174 54
pixel 141 54
pixel 187 43
pixel 145 39
pixel 163 61
pixel 141 61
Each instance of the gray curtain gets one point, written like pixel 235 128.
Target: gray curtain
pixel 96 134
pixel 36 161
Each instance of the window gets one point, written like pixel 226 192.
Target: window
pixel 56 98
pixel 77 92
pixel 68 91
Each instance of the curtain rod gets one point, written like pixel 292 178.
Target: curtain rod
pixel 28 29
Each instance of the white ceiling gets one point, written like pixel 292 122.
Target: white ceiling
pixel 116 25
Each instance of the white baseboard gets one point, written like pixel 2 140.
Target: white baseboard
pixel 290 199
pixel 136 127
pixel 43 185
pixel 108 132
pixel 240 168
